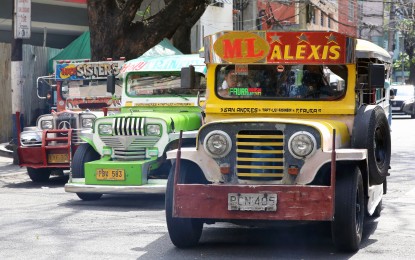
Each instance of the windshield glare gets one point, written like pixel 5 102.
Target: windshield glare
pixel 281 81
pixel 148 85
pixel 88 88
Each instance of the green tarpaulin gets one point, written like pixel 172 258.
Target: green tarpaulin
pixel 80 49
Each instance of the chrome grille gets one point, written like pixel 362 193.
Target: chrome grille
pixel 76 133
pixel 129 126
pixel 129 147
pixel 260 155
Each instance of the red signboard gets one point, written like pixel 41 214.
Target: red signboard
pixel 282 47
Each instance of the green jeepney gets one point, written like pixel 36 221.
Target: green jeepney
pixel 126 152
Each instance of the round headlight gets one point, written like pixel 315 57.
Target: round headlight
pixel 217 144
pixel 87 122
pixel 302 144
pixel 46 124
pixel 105 129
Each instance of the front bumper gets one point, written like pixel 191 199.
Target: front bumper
pixel 152 187
pixel 294 202
pixel 37 157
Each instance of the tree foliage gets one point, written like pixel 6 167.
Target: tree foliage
pixel 406 25
pixel 128 28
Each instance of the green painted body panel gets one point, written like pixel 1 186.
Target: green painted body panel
pixel 133 172
pixel 184 118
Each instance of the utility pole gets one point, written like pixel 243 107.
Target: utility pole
pixel 21 23
pixel 16 74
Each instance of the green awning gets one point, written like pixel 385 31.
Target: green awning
pixel 80 48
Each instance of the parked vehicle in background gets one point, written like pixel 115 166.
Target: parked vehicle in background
pixel 296 130
pixel 76 94
pixel 404 101
pixel 126 152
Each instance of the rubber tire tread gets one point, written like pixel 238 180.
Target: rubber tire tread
pixel 345 235
pixel 367 121
pixel 183 232
pixel 85 153
pixel 38 175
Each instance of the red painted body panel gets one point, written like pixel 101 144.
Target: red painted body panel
pixel 294 202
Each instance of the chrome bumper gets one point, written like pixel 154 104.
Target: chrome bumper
pixel 153 187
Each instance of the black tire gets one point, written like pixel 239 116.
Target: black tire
pixel 371 131
pixel 85 153
pixel 39 175
pixel 89 196
pixel 183 232
pixel 347 226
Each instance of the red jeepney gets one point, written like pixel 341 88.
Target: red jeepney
pixel 76 94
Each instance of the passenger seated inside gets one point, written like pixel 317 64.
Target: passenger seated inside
pixel 235 85
pixel 313 84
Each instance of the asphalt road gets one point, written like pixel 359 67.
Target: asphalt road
pixel 41 221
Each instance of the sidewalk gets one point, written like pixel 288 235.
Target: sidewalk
pixel 5 152
pixel 6 162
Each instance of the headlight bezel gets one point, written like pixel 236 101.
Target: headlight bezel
pixel 307 139
pixel 208 143
pixel 160 129
pixel 83 124
pixel 86 116
pixel 109 127
pixel 43 122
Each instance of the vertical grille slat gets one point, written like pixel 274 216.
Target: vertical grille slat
pixel 260 155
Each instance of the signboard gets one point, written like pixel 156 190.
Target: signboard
pixel 87 70
pixel 311 47
pixel 22 19
pixel 168 63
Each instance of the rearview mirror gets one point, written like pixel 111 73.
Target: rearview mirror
pixel 188 77
pixel 376 75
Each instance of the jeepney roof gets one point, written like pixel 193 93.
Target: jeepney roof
pixel 171 63
pixel 366 49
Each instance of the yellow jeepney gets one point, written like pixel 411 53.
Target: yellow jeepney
pixel 296 129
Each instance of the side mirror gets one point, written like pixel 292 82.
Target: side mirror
pixel 111 84
pixel 43 90
pixel 376 75
pixel 188 77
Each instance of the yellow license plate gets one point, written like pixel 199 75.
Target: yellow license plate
pixel 110 174
pixel 58 158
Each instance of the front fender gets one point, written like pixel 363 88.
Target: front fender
pixel 88 138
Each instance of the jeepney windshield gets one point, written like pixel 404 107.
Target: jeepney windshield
pixel 149 85
pixel 300 81
pixel 88 89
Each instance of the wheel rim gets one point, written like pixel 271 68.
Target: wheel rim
pixel 359 217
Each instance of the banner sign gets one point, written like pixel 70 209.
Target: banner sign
pixel 311 47
pixel 87 70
